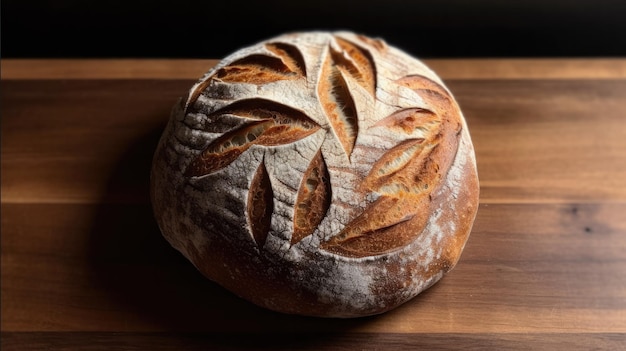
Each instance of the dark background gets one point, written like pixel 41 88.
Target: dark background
pixel 213 29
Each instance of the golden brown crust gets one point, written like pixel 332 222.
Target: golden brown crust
pixel 323 174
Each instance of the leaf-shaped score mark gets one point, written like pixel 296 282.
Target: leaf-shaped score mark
pixel 411 121
pixel 338 105
pixel 345 60
pixel 263 69
pixel 356 62
pixel 436 96
pixel 314 198
pixel 395 171
pixel 387 224
pixel 266 123
pixel 260 205
pixel 287 64
pixel 291 57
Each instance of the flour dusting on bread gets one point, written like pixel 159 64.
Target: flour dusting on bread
pixel 318 173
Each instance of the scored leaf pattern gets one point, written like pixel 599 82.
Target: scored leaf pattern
pixel 292 58
pixel 266 123
pixel 288 64
pixel 314 197
pixel 334 92
pixel 404 176
pixel 388 223
pixel 356 62
pixel 260 205
pixel 410 120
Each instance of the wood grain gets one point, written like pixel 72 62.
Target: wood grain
pixel 54 341
pixel 83 265
pixel 562 272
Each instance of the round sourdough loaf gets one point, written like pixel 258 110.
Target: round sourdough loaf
pixel 318 173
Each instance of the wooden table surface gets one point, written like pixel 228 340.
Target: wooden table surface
pixel 84 266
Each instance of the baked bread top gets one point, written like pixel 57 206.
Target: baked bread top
pixel 320 161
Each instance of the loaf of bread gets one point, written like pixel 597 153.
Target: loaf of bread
pixel 318 173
